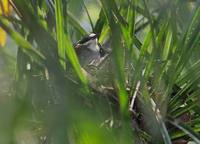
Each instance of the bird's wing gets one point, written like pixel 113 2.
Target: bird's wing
pixel 81 49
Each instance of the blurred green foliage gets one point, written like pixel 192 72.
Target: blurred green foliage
pixel 146 91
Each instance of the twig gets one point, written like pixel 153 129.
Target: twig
pixel 15 8
pixel 134 96
pixel 135 93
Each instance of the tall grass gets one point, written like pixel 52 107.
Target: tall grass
pixel 146 91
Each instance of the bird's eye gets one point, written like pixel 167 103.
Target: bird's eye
pixel 102 52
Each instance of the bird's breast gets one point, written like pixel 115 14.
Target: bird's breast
pixel 88 57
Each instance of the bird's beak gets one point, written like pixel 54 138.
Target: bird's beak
pixel 78 45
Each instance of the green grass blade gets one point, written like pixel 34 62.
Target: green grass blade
pixel 90 19
pixel 101 21
pixel 179 134
pixel 118 51
pixel 167 45
pixel 104 33
pixel 182 110
pixel 71 54
pixel 65 46
pixel 60 31
pixel 186 129
pixel 189 42
pixel 75 23
pixel 24 44
pixel 165 133
pixel 131 18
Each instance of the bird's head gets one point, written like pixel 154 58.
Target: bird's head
pixel 91 42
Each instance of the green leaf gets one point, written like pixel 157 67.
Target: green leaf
pixel 60 31
pixel 71 54
pixel 65 46
pixel 118 52
pixel 75 23
pixel 187 130
pixel 90 19
pixel 24 44
pixel 101 22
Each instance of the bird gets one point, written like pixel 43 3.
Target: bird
pixel 89 50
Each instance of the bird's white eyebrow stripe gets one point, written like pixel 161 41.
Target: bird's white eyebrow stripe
pixel 87 38
pixel 92 35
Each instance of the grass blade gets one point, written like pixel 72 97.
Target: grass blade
pixel 60 31
pixel 91 23
pixel 195 136
pixel 25 45
pixel 74 22
pixel 64 43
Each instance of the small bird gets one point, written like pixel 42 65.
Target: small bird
pixel 89 50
